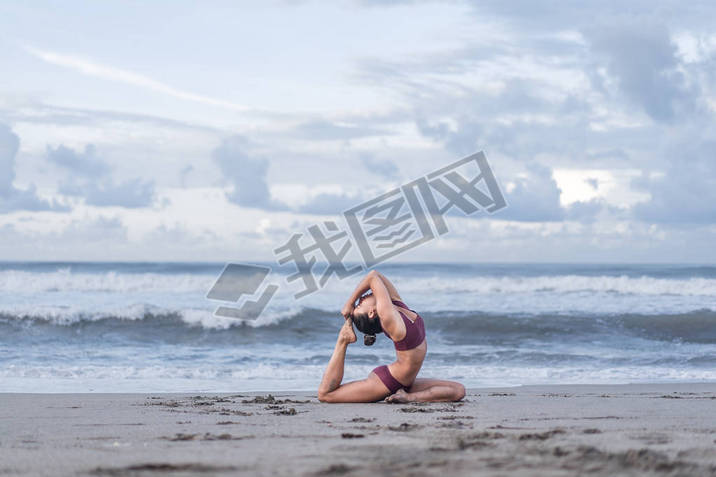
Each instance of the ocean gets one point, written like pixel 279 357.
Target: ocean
pixel 148 327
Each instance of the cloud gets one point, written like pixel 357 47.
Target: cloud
pixel 246 173
pixel 539 86
pixel 86 238
pixel 98 70
pixel 385 168
pixel 9 145
pixel 642 58
pixel 518 120
pixel 37 112
pixel 534 197
pixel 80 231
pixel 529 16
pixel 329 204
pixel 584 104
pixel 133 193
pixel 90 179
pixel 86 163
pixel 686 192
pixel 184 174
pixel 385 3
pixel 321 130
pixel 462 139
pixel 585 211
pixel 12 198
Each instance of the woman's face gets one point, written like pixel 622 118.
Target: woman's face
pixel 366 305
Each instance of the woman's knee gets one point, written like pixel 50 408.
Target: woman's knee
pixel 459 391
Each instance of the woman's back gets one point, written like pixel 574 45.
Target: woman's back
pixel 414 329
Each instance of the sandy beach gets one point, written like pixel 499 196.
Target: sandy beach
pixel 660 429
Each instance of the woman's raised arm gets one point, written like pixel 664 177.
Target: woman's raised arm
pixel 362 287
pixel 383 302
pixel 382 289
pixel 392 291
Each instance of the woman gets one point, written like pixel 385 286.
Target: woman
pixel 383 310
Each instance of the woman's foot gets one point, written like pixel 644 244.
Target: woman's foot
pixel 347 335
pixel 399 397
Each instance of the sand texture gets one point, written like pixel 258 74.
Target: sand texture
pixel 660 429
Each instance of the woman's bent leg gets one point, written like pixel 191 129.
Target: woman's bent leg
pixel 370 389
pixel 430 390
pixel 333 375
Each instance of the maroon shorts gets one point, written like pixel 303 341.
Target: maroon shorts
pixel 390 382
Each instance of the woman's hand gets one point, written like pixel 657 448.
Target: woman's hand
pixel 347 310
pixel 362 287
pixel 346 334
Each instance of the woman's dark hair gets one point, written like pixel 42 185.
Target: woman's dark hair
pixel 368 326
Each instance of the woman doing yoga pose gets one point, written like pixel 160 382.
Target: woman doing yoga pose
pixel 383 310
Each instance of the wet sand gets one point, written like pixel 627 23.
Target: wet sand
pixel 660 429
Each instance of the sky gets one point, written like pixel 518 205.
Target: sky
pixel 214 131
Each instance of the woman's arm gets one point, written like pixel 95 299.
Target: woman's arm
pixel 383 304
pixel 392 291
pixel 362 287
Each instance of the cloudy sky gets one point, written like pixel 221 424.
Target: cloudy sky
pixel 214 130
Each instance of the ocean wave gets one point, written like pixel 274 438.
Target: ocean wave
pixel 571 283
pixel 282 377
pixel 698 326
pixel 460 328
pixel 67 280
pixel 144 314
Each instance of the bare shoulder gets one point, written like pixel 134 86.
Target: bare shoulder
pixel 385 308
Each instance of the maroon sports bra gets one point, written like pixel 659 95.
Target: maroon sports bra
pixel 414 330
